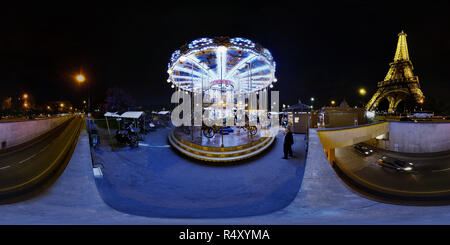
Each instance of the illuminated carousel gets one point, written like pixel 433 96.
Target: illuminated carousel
pixel 225 73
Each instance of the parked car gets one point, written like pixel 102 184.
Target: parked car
pixel 396 164
pixel 363 149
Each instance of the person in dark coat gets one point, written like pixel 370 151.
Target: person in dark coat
pixel 288 142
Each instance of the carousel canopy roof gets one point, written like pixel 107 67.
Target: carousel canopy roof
pixel 224 64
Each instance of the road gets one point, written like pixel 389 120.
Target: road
pixel 431 177
pixel 31 164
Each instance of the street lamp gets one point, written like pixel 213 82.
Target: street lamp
pixel 80 78
pixel 25 96
pixel 333 102
pixel 362 91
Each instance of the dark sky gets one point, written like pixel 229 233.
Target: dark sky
pixel 326 50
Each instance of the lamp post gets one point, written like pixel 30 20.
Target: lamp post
pixel 362 92
pixel 81 79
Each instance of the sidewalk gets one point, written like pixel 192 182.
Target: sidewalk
pixel 322 199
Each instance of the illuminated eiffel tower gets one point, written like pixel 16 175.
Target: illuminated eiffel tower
pixel 400 82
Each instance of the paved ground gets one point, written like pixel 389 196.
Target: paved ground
pixel 431 175
pixel 155 180
pixel 322 199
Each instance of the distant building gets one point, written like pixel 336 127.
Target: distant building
pixel 341 116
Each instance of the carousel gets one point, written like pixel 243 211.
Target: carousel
pixel 225 73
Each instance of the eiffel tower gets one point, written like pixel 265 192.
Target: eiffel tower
pixel 400 82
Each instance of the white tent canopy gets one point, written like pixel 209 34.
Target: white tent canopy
pixel 132 114
pixel 111 114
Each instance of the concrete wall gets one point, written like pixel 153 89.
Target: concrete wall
pixel 346 136
pixel 16 133
pixel 413 137
pixel 343 117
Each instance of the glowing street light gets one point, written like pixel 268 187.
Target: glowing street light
pixel 25 105
pixel 333 102
pixel 25 96
pixel 312 99
pixel 61 105
pixel 362 91
pixel 80 78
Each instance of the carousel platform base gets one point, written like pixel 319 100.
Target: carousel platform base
pixel 220 154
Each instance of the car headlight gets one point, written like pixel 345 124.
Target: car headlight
pixel 408 168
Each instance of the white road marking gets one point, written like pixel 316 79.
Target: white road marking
pixel 157 146
pixel 45 148
pixel 5 167
pixel 27 158
pixel 440 170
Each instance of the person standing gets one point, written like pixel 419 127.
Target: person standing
pixel 288 142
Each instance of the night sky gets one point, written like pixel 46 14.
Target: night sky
pixel 325 50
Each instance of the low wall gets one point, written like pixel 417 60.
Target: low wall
pixel 16 133
pixel 411 137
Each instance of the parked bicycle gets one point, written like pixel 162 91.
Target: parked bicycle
pixel 128 135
